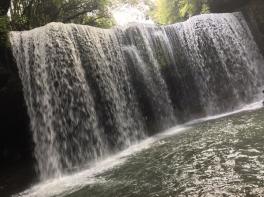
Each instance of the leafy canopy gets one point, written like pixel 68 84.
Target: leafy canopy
pixel 171 11
pixel 28 14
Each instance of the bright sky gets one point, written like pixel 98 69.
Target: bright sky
pixel 130 14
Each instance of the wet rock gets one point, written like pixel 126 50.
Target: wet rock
pixel 253 13
pixel 218 6
pixel 16 142
pixel 252 10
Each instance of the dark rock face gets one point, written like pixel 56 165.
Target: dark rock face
pixel 15 136
pixel 218 6
pixel 16 144
pixel 253 13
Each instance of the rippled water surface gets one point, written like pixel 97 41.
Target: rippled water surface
pixel 206 157
pixel 221 157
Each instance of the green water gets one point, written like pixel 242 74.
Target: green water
pixel 223 157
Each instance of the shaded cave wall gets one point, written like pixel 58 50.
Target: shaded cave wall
pixel 15 136
pixel 217 6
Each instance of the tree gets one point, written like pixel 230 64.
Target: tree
pixel 4 23
pixel 28 14
pixel 171 11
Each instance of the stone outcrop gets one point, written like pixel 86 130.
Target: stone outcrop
pixel 219 6
pixel 253 11
pixel 15 136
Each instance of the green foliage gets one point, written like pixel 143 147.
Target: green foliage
pixel 171 11
pixel 115 3
pixel 102 22
pixel 28 14
pixel 161 12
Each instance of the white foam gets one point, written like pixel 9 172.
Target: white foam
pixel 71 183
pixel 249 107
pixel 74 182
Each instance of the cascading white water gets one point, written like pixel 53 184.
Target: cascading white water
pixel 91 92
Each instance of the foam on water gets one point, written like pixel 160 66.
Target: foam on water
pixel 249 107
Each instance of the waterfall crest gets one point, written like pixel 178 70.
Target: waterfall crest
pixel 91 92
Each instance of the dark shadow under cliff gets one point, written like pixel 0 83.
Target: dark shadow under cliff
pixel 16 144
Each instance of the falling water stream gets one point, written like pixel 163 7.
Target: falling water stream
pixel 92 93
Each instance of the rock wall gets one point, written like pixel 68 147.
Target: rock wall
pixel 15 135
pixel 254 14
pixel 219 6
pixel 253 11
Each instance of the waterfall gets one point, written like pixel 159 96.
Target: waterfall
pixel 91 92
